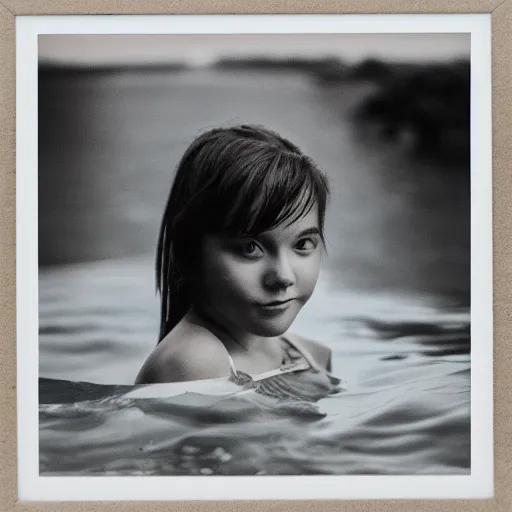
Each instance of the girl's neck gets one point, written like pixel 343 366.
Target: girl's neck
pixel 227 333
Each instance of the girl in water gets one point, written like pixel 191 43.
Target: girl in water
pixel 238 255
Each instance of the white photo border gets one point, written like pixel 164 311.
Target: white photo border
pixel 31 486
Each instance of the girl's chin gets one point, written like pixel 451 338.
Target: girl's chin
pixel 275 323
pixel 272 328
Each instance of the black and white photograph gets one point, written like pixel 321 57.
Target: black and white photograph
pixel 254 254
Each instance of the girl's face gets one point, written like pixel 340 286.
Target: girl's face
pixel 258 285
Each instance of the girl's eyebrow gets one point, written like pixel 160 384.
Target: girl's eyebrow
pixel 304 232
pixel 309 231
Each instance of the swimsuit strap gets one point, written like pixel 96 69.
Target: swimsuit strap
pixel 231 363
pixel 304 365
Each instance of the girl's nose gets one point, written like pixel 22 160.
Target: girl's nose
pixel 280 275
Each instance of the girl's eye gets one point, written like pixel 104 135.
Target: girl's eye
pixel 306 245
pixel 250 250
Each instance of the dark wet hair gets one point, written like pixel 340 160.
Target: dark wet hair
pixel 242 179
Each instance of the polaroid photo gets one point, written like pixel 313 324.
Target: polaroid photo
pixel 254 257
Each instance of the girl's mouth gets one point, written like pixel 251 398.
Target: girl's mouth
pixel 276 305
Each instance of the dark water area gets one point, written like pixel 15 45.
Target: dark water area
pixel 406 411
pixel 392 301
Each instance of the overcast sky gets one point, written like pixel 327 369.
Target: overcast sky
pixel 202 49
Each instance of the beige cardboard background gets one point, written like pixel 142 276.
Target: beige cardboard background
pixel 502 233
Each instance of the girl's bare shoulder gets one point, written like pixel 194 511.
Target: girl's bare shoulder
pixel 187 353
pixel 321 353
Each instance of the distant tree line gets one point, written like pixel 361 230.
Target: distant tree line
pixel 429 103
pixel 69 70
pixel 315 67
